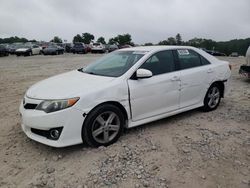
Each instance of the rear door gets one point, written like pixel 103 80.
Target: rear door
pixel 158 94
pixel 195 74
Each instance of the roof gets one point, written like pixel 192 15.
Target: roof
pixel 156 48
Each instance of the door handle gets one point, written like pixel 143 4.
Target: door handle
pixel 175 78
pixel 210 71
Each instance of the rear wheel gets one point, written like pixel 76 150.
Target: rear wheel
pixel 103 126
pixel 212 98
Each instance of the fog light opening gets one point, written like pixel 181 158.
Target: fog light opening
pixel 54 134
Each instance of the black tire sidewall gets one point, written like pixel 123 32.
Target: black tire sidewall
pixel 206 107
pixel 88 123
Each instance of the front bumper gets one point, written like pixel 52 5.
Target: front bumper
pixel 97 50
pixel 79 50
pixel 22 52
pixel 49 52
pixel 70 119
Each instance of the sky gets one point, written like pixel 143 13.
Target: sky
pixel 145 20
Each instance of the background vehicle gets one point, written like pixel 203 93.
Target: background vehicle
pixel 3 51
pixel 234 54
pixel 12 47
pixel 126 88
pixel 245 69
pixel 112 47
pixel 68 47
pixel 88 47
pixel 53 49
pixel 28 50
pixel 98 48
pixel 125 46
pixel 44 45
pixel 79 48
pixel 214 53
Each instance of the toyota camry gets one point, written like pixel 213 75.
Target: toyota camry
pixel 123 89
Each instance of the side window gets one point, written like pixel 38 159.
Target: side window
pixel 160 63
pixel 204 61
pixel 188 59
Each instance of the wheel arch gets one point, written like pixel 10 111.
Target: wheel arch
pixel 115 103
pixel 221 86
pixel 84 131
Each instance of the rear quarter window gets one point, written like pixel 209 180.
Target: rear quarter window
pixel 204 61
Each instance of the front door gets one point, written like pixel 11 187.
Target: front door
pixel 160 93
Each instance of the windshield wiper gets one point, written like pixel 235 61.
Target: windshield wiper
pixel 91 73
pixel 82 70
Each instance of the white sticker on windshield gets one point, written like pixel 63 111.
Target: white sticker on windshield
pixel 183 52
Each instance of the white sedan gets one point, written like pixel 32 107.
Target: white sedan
pixel 123 89
pixel 28 49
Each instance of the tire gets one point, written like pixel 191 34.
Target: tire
pixel 97 130
pixel 212 98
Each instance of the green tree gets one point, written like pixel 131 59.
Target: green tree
pixel 123 39
pixel 56 39
pixel 178 39
pixel 164 42
pixel 77 38
pixel 148 44
pixel 87 38
pixel 112 41
pixel 101 40
pixel 13 40
pixel 171 41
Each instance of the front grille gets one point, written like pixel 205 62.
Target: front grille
pixel 30 106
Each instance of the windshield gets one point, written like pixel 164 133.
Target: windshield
pixel 24 46
pixel 114 64
pixel 52 46
pixel 78 45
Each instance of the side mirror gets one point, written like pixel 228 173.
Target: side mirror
pixel 143 73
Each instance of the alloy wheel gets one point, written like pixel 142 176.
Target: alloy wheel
pixel 105 127
pixel 213 97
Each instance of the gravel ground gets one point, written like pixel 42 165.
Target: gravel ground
pixel 193 149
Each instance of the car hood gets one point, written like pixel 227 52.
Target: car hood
pixel 67 85
pixel 22 49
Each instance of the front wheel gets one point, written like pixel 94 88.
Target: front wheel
pixel 212 98
pixel 103 126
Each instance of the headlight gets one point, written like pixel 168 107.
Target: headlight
pixel 55 105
